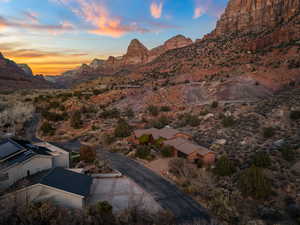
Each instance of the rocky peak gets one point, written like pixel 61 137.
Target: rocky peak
pixel 96 63
pixel 178 41
pixel 26 69
pixel 136 53
pixel 255 15
pixel 1 56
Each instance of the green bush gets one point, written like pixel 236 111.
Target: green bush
pixel 295 115
pixel 87 154
pixel 129 113
pixel 123 129
pixel 262 159
pixel 215 104
pixel 109 139
pixel 228 121
pixel 104 208
pixel 76 122
pixel 153 110
pixel 110 114
pixel 253 183
pixel 145 139
pixel 189 119
pixel 167 151
pixel 165 109
pixel 224 167
pixel 268 132
pixel 52 116
pixel 288 153
pixel 47 129
pixel 143 152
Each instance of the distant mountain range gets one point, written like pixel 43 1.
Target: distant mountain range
pixel 254 39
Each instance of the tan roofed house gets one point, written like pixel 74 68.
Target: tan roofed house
pixel 187 149
pixel 167 133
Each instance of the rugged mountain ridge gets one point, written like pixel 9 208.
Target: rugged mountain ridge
pixel 255 15
pixel 14 76
pixel 137 54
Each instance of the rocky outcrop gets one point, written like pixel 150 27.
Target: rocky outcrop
pixel 137 53
pixel 13 76
pixel 178 41
pixel 96 63
pixel 26 69
pixel 255 15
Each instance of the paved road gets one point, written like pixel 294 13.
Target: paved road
pixel 166 194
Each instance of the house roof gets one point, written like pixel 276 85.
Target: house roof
pixel 187 147
pixel 166 132
pixel 68 181
pixel 18 151
pixel 8 148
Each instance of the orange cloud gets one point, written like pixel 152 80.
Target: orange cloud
pixel 156 9
pixel 96 14
pixel 63 27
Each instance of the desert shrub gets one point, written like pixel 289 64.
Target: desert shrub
pixel 253 183
pixel 129 113
pixel 295 115
pixel 228 121
pixel 123 129
pixel 268 132
pixel 167 151
pixel 224 167
pixel 158 142
pixel 189 119
pixel 2 107
pixel 143 152
pixel 109 139
pixel 110 114
pixel 262 159
pixel 288 153
pixel 76 122
pixel 145 139
pixel 153 110
pixel 52 116
pixel 215 104
pixel 98 91
pixel 54 105
pixel 47 129
pixel 87 153
pixel 165 109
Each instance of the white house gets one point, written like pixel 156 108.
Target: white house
pixel 61 186
pixel 19 159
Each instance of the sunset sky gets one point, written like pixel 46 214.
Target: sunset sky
pixel 57 35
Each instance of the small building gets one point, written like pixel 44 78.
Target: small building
pixel 19 159
pixel 60 186
pixel 189 150
pixel 166 133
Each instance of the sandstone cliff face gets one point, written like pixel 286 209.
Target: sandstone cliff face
pixel 26 69
pixel 12 76
pixel 255 15
pixel 137 53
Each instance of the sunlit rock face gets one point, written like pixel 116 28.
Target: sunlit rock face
pixel 255 15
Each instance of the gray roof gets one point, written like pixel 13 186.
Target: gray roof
pixel 18 151
pixel 8 148
pixel 68 181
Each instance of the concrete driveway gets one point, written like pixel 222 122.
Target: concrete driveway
pixel 121 193
pixel 166 194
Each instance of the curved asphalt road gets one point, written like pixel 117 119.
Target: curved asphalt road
pixel 165 193
pixel 184 208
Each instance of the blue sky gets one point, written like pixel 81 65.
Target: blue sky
pixel 57 35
